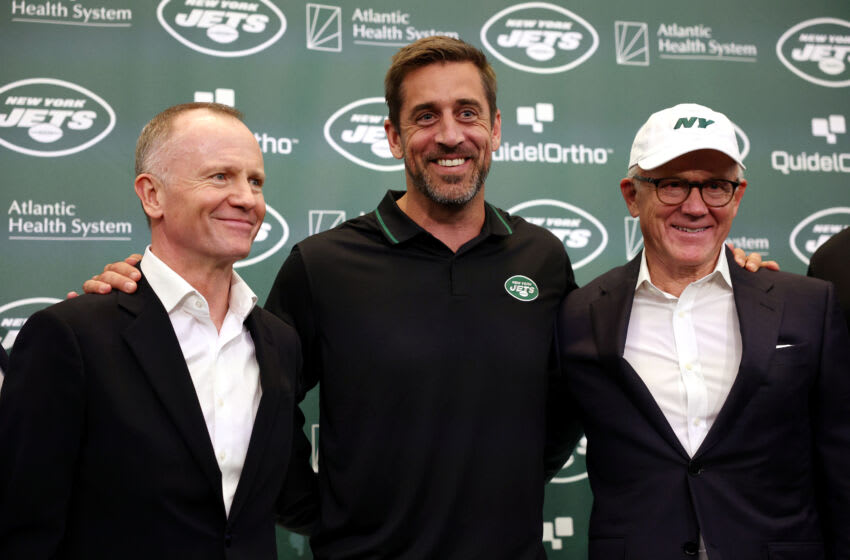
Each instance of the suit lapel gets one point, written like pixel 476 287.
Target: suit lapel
pixel 267 411
pixel 759 317
pixel 152 339
pixel 610 313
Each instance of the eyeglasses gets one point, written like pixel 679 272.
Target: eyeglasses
pixel 673 190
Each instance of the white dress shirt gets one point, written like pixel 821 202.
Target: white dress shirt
pixel 687 350
pixel 223 365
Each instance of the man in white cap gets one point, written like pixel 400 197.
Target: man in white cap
pixel 716 401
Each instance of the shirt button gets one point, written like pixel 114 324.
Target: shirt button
pixel 681 314
pixel 690 548
pixel 222 455
pixel 694 468
pixel 198 304
pixel 697 421
pixel 219 402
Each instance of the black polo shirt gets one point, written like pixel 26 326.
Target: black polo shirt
pixel 433 368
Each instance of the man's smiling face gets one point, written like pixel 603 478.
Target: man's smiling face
pixel 445 135
pixel 689 235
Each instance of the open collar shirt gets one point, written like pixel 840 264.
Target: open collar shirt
pixel 222 364
pixel 687 349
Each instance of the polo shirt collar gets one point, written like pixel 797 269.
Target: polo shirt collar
pixel 397 227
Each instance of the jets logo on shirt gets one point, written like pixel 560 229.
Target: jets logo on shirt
pixel 522 288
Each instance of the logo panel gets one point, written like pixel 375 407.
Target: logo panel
pixel 324 28
pixel 14 315
pixel 272 236
pixel 818 50
pixel 831 129
pixel 540 148
pixel 539 37
pixel 813 232
pixel 44 117
pixel 632 43
pixel 324 220
pixel 225 28
pixel 357 133
pixel 583 236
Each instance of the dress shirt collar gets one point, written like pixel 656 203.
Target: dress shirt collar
pixel 172 290
pixel 721 270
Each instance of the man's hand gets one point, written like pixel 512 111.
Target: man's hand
pixel 121 275
pixel 751 262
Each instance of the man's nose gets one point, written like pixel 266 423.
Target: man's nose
pixel 694 204
pixel 450 132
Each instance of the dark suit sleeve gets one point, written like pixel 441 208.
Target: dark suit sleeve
pixel 297 505
pixel 291 299
pixel 563 429
pixel 42 407
pixel 831 424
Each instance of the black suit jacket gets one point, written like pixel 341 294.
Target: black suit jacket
pixel 104 452
pixel 771 480
pixel 832 262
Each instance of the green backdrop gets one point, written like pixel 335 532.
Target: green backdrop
pixel 79 78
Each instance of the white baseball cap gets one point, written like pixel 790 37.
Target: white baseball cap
pixel 685 128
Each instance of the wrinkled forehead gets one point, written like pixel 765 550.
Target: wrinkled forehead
pixel 711 162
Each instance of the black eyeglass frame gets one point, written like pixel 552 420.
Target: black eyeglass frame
pixel 691 185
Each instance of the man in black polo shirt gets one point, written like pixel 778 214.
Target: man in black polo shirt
pixel 428 324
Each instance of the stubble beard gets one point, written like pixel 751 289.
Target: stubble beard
pixel 457 195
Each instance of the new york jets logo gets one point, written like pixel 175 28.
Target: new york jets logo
pixel 521 287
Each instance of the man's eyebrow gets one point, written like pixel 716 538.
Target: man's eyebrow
pixel 463 102
pixel 469 103
pixel 422 107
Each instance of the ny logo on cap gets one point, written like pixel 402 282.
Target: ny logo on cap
pixel 688 122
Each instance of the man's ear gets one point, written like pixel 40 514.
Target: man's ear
pixel 629 191
pixel 496 133
pixel 394 138
pixel 148 189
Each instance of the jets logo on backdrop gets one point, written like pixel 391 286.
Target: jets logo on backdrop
pixel 222 27
pixel 539 37
pixel 818 50
pixel 813 232
pixel 44 117
pixel 273 234
pixel 357 133
pixel 583 235
pixel 575 468
pixel 14 315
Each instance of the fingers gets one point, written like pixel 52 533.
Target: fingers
pixel 96 287
pixel 119 272
pixel 753 262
